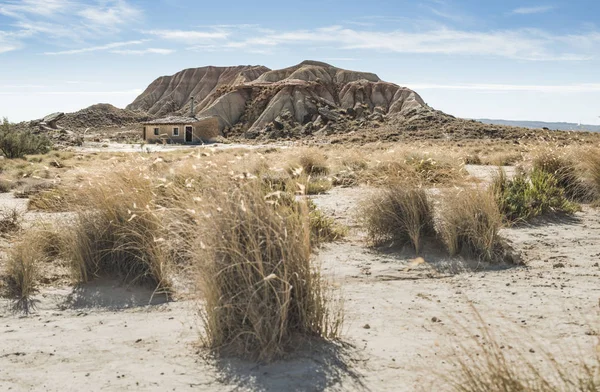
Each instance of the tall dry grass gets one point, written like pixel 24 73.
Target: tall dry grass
pixel 261 289
pixel 119 232
pixel 400 214
pixel 469 222
pixel 490 366
pixel 22 272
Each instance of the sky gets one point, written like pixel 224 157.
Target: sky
pixel 513 60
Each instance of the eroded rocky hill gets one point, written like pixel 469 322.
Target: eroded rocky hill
pixel 311 97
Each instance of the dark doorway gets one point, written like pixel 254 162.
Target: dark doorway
pixel 189 134
pixel 144 134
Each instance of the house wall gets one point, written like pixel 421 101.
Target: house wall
pixel 205 130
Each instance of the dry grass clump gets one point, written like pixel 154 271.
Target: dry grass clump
pixel 261 290
pixel 52 200
pixel 469 222
pixel 324 228
pixel 492 367
pixel 400 214
pixel 119 232
pixel 22 271
pixel 10 221
pixel 312 162
pixel 591 163
pixel 570 176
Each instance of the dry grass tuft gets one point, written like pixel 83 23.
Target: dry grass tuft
pixel 261 290
pixel 10 221
pixel 400 214
pixel 119 232
pixel 492 367
pixel 469 222
pixel 22 271
pixel 591 163
pixel 312 162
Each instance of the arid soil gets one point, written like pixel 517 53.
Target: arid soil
pixel 404 320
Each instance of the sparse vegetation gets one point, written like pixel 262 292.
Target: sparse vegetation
pixel 22 271
pixel 529 195
pixel 262 293
pixel 492 366
pixel 470 221
pixel 10 221
pixel 118 232
pixel 400 214
pixel 16 143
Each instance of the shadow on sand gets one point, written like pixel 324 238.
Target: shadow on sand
pixel 319 366
pixel 110 294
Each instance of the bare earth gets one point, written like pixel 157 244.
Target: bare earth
pixel 403 320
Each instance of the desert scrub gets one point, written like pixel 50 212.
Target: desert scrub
pixel 261 290
pixel 50 200
pixel 490 366
pixel 569 175
pixel 119 232
pixel 322 227
pixel 399 214
pixel 529 195
pixel 469 223
pixel 23 263
pixel 312 162
pixel 16 143
pixel 10 221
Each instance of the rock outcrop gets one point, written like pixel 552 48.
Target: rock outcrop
pixel 258 102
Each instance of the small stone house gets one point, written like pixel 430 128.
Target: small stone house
pixel 183 130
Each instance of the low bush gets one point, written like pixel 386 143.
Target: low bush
pixel 17 143
pixel 469 222
pixel 313 163
pixel 400 214
pixel 529 195
pixel 261 290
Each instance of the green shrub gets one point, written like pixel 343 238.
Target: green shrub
pixel 16 144
pixel 529 195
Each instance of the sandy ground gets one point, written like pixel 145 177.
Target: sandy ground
pixel 403 321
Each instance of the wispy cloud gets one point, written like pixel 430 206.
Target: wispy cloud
pixel 110 13
pixel 124 92
pixel 143 51
pixel 112 45
pixel 72 20
pixel 521 44
pixel 566 88
pixel 533 10
pixel 188 35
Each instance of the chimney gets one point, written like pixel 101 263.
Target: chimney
pixel 192 107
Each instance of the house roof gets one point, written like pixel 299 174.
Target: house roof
pixel 173 120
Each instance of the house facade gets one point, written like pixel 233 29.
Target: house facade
pixel 183 130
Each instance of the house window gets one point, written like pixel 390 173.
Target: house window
pixel 156 131
pixel 175 131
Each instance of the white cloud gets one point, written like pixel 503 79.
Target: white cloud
pixel 30 93
pixel 143 51
pixel 533 10
pixel 112 45
pixel 110 13
pixel 188 35
pixel 566 88
pixel 18 9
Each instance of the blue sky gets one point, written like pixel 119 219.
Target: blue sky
pixel 520 60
